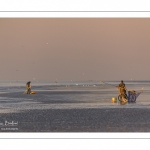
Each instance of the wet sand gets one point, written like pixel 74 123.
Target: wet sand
pixel 71 109
pixel 78 120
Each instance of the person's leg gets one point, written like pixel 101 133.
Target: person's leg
pixel 125 94
pixel 28 91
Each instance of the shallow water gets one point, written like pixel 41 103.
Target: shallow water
pixel 68 95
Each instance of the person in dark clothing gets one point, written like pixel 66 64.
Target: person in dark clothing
pixel 28 87
pixel 122 89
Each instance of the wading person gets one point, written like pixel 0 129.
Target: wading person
pixel 122 89
pixel 28 87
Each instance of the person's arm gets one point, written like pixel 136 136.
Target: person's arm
pixel 125 87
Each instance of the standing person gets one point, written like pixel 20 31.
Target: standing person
pixel 122 89
pixel 28 87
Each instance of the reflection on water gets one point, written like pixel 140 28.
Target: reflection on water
pixel 68 95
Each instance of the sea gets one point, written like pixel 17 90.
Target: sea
pixel 69 95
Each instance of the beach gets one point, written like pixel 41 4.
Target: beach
pixel 79 120
pixel 72 108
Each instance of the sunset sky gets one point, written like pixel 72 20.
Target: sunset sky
pixel 75 49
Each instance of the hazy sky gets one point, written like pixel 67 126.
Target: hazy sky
pixel 75 49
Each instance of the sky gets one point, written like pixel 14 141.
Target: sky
pixel 74 49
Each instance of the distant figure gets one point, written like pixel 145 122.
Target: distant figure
pixel 28 87
pixel 122 89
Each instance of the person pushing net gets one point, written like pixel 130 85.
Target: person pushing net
pixel 28 87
